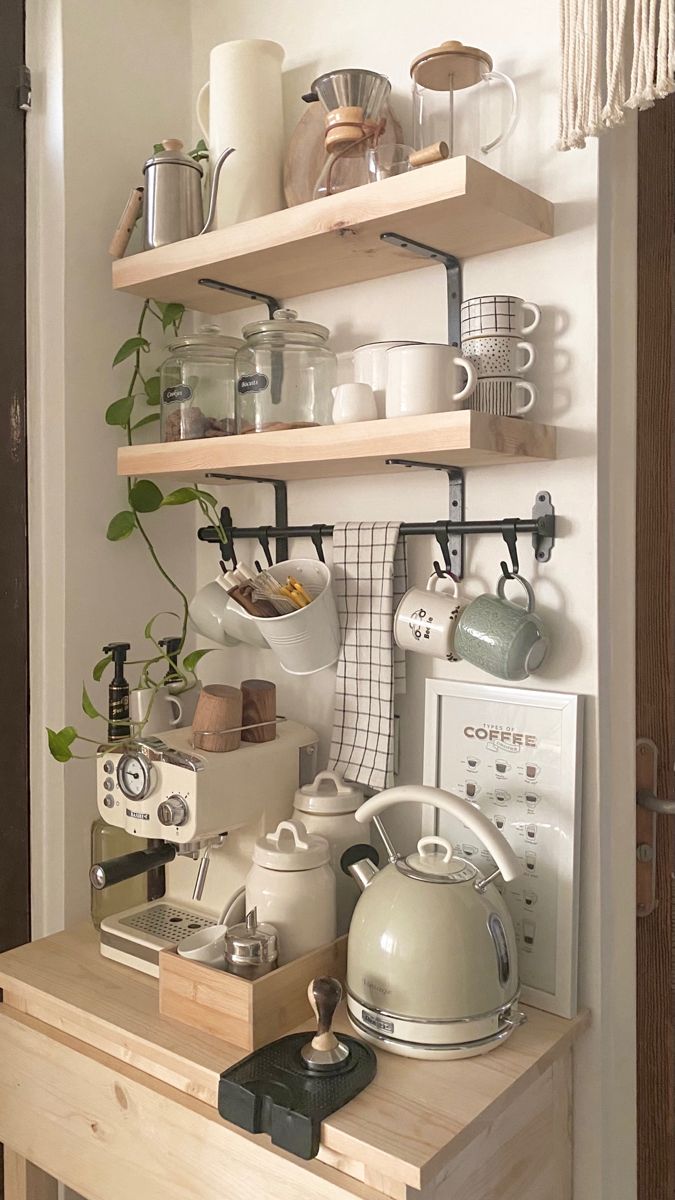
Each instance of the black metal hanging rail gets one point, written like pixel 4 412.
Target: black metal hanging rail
pixel 543 526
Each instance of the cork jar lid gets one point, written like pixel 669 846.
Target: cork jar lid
pixel 450 65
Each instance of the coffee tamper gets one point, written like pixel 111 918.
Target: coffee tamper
pixel 324 1052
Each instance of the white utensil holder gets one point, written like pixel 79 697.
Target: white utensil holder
pixel 308 640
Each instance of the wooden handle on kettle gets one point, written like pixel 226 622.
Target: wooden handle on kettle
pixel 125 226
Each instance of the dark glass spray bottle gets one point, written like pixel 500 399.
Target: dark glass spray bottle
pixel 118 694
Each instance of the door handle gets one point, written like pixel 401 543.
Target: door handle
pixel 650 807
pixel 647 799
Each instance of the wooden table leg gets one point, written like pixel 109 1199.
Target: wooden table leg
pixel 24 1181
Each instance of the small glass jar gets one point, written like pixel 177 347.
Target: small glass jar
pixel 197 386
pixel 285 375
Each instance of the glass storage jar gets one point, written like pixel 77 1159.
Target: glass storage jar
pixel 197 386
pixel 285 373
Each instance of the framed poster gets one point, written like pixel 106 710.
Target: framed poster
pixel 516 755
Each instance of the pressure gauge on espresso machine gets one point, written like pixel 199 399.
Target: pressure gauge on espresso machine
pixel 134 776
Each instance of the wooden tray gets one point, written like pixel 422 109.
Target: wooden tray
pixel 246 1013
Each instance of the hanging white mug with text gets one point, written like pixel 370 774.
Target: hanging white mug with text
pixel 426 620
pixel 427 378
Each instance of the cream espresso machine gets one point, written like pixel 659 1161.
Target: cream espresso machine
pixel 201 813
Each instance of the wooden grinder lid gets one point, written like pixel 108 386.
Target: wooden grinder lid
pixel 450 65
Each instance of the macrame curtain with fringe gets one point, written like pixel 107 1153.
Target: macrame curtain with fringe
pixel 616 55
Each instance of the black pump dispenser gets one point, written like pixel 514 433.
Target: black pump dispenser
pixel 118 694
pixel 171 647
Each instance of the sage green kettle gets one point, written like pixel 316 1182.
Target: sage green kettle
pixel 432 968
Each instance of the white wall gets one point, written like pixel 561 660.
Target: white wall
pixel 105 89
pixel 567 276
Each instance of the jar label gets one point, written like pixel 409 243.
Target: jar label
pixel 180 392
pixel 253 383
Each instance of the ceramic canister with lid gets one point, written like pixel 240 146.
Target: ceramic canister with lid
pixel 327 807
pixel 285 375
pixel 292 886
pixel 197 386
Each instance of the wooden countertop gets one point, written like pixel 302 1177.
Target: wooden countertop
pixel 408 1124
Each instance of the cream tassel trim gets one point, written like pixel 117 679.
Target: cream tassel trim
pixel 591 30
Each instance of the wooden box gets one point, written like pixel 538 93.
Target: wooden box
pixel 246 1013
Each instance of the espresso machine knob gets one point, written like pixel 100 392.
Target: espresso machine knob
pixel 173 811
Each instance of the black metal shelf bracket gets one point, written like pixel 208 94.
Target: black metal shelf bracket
pixel 453 274
pixel 209 534
pixel 247 293
pixel 452 544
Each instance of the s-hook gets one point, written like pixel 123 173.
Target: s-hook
pixel 443 539
pixel 317 542
pixel 510 536
pixel 264 539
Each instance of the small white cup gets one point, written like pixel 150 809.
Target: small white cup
pixel 218 617
pixel 370 366
pixel 426 379
pixel 353 402
pixel 166 711
pixel 499 355
pixel 206 946
pixel 426 619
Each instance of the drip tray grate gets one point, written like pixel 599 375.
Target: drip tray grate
pixel 168 922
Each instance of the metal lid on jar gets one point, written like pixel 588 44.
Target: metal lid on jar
pixel 291 848
pixel 208 336
pixel 329 795
pixel 172 153
pixel 285 320
pixel 251 944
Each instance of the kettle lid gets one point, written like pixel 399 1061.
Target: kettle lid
pixel 291 848
pixel 329 794
pixel 172 153
pixel 434 860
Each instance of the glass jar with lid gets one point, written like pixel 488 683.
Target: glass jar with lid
pixel 197 386
pixel 285 373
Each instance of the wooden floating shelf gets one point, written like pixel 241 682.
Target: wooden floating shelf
pixel 459 206
pixel 460 439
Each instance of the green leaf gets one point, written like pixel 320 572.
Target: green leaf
pixel 100 667
pixel 122 524
pixel 87 706
pixel 182 495
pixel 145 421
pixel 119 412
pixel 145 496
pixel 130 347
pixel 190 661
pixel 148 629
pixel 158 148
pixel 60 742
pixel 151 386
pixel 206 496
pixel 171 314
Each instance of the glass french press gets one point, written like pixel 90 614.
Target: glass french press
pixel 454 92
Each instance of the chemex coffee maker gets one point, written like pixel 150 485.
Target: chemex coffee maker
pixel 199 815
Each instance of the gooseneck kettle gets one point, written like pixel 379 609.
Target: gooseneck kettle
pixel 432 968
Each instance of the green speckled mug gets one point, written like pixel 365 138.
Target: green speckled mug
pixel 501 637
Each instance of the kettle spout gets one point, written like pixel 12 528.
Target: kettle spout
pixel 362 863
pixel 214 188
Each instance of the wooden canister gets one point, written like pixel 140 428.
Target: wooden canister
pixel 260 705
pixel 218 719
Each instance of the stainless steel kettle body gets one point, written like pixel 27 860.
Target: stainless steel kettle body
pixel 432 969
pixel 172 203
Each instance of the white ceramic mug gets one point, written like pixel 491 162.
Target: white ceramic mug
pixel 218 617
pixel 481 315
pixel 166 711
pixel 499 356
pixel 426 619
pixel 425 378
pixel 353 402
pixel 500 396
pixel 205 946
pixel 241 106
pixel 370 366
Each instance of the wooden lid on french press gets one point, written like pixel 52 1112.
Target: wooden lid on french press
pixel 450 66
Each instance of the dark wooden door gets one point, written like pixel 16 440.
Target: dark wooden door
pixel 655 636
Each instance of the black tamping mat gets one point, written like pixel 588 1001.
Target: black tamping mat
pixel 272 1091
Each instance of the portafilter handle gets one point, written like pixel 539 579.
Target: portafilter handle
pixel 116 870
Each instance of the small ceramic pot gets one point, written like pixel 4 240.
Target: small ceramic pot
pixel 501 637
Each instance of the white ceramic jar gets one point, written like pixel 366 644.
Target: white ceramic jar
pixel 292 885
pixel 327 807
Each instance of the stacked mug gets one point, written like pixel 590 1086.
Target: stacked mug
pixel 493 328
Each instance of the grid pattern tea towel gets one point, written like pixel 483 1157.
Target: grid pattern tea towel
pixel 369 568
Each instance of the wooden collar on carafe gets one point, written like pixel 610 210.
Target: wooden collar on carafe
pixel 347 125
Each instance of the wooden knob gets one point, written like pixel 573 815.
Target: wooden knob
pixel 324 996
pixel 218 718
pixel 259 710
pixel 172 144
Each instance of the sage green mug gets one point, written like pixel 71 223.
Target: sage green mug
pixel 502 638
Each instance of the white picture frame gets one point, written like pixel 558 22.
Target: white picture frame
pixel 515 753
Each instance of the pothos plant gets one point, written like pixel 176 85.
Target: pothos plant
pixel 133 411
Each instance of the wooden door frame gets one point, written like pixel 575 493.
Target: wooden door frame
pixel 655 634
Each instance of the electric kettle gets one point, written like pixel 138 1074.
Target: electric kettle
pixel 432 967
